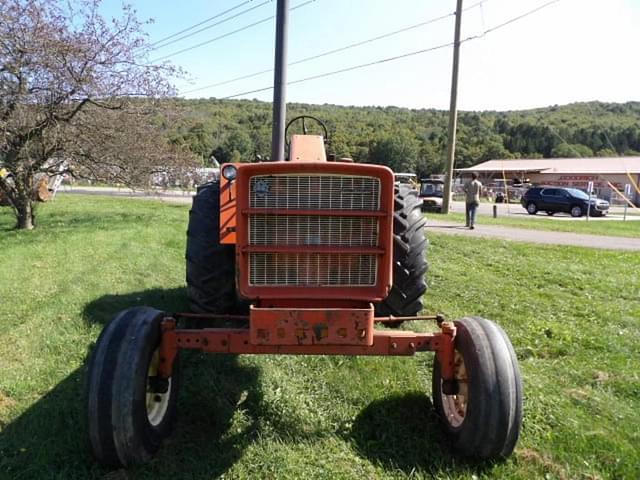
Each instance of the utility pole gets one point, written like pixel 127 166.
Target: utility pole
pixel 280 82
pixel 453 113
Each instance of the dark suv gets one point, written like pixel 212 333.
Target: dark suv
pixel 558 199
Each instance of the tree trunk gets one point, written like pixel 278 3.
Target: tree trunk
pixel 25 214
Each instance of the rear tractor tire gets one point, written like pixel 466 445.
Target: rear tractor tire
pixel 130 409
pixel 409 262
pixel 211 266
pixel 483 419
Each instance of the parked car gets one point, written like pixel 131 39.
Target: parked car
pixel 559 199
pixel 431 194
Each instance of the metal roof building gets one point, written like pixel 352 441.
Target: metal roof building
pixel 608 174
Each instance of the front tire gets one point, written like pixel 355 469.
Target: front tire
pixel 576 211
pixel 409 262
pixel 130 410
pixel 484 418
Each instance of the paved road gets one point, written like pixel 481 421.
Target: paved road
pixel 535 236
pixel 447 227
pixel 517 211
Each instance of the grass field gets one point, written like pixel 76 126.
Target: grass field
pixel 596 226
pixel 573 315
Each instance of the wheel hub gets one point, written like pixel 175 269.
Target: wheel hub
pixel 157 400
pixel 455 406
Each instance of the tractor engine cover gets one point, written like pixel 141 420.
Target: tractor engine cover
pixel 310 230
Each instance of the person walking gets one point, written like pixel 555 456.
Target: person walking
pixel 472 190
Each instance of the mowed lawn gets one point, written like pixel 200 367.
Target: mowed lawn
pixel 573 315
pixel 595 226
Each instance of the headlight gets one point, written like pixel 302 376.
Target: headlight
pixel 230 172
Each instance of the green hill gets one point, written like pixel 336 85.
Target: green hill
pixel 414 140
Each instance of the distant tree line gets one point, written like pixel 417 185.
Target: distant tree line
pixel 413 140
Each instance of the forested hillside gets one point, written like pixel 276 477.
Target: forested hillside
pixel 414 140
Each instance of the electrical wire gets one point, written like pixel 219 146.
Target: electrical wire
pixel 224 20
pixel 510 21
pixel 246 27
pixel 162 40
pixel 398 57
pixel 336 50
pixel 347 69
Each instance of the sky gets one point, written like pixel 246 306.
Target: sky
pixel 570 51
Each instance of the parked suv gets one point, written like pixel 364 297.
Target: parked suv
pixel 558 199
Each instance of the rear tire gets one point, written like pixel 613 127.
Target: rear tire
pixel 409 262
pixel 211 266
pixel 128 415
pixel 532 208
pixel 550 213
pixel 484 419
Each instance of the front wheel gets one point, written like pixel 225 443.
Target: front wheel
pixel 484 417
pixel 576 211
pixel 532 208
pixel 130 409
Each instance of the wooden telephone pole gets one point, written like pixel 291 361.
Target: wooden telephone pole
pixel 453 113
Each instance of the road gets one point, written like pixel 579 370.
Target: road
pixel 516 210
pixel 440 226
pixel 535 236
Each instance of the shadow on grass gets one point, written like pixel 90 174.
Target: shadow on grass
pixel 403 432
pixel 103 309
pixel 50 440
pixel 219 412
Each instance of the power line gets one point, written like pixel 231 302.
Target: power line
pixel 246 27
pixel 347 69
pixel 514 19
pixel 224 20
pixel 200 23
pixel 336 50
pixel 323 54
pixel 398 57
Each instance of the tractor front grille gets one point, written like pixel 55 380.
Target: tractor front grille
pixel 313 230
pixel 313 265
pixel 312 269
pixel 314 192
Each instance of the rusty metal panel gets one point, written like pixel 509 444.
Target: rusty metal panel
pixel 227 210
pixel 308 326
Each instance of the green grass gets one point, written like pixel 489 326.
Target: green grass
pixel 596 226
pixel 573 315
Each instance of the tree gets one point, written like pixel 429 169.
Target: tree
pixel 398 152
pixel 72 86
pixel 236 147
pixel 567 150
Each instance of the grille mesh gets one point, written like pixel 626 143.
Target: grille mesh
pixel 313 230
pixel 314 192
pixel 312 269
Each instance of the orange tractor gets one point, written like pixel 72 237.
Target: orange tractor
pixel 302 257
